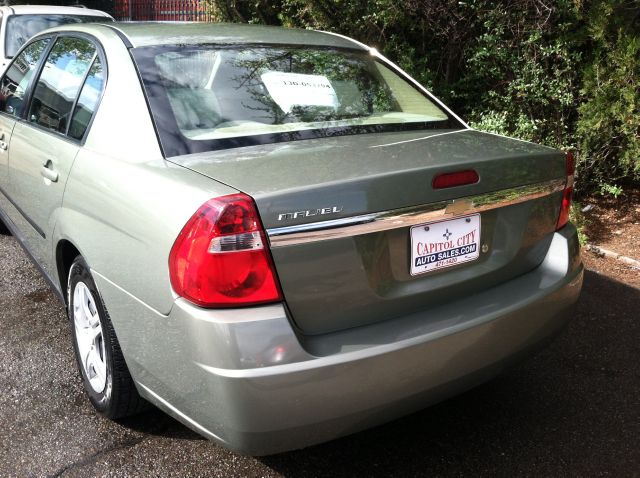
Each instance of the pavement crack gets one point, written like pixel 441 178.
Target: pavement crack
pixel 87 460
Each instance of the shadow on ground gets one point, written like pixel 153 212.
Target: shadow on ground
pixel 612 213
pixel 574 408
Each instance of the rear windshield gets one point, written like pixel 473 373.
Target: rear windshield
pixel 208 97
pixel 22 27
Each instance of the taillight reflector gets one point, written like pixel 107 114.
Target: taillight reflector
pixel 567 193
pixel 219 258
pixel 456 178
pixel 565 207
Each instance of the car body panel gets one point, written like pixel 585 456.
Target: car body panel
pixel 121 172
pixel 105 192
pixel 32 151
pixel 248 380
pixel 104 208
pixel 253 378
pixel 353 175
pixel 7 124
pixel 141 34
pixel 358 172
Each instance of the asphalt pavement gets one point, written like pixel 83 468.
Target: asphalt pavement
pixel 571 410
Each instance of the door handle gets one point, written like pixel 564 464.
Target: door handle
pixel 47 171
pixel 3 145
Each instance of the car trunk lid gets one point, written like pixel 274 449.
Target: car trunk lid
pixel 344 216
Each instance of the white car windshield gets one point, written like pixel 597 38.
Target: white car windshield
pixel 22 27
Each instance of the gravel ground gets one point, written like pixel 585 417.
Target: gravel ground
pixel 572 410
pixel 614 224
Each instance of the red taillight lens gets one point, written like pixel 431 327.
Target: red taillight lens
pixel 220 258
pixel 565 208
pixel 567 193
pixel 457 178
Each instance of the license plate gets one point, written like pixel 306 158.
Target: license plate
pixel 442 244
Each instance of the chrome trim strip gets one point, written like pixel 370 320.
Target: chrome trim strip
pixel 409 216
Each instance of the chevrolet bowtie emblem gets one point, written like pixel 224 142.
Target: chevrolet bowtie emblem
pixel 458 206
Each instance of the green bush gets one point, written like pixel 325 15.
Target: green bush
pixel 563 73
pixel 608 128
pixel 527 72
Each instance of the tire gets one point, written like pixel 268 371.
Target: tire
pixel 105 375
pixel 4 230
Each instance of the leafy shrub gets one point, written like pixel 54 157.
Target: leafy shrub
pixel 563 73
pixel 608 129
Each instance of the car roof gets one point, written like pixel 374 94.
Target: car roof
pixel 52 10
pixel 179 33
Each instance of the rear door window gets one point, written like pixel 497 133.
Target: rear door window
pixel 62 77
pixel 15 81
pixel 87 101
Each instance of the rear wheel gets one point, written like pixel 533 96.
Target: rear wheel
pixel 4 230
pixel 104 372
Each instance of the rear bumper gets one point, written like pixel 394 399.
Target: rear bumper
pixel 247 380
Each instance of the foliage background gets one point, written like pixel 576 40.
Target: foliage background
pixel 564 73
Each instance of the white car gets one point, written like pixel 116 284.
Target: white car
pixel 20 22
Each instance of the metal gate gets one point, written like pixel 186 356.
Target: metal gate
pixel 162 10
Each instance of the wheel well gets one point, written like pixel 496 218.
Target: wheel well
pixel 66 252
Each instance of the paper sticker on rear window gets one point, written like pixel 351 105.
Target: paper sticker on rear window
pixel 294 89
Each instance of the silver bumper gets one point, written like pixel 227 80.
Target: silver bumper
pixel 246 379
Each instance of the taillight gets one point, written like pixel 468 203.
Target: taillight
pixel 220 257
pixel 456 178
pixel 567 193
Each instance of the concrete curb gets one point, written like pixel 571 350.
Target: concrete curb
pixel 599 251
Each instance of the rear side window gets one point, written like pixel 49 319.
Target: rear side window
pixel 16 79
pixel 60 81
pixel 87 101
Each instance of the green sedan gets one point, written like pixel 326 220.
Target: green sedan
pixel 276 236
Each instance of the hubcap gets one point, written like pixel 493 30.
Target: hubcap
pixel 89 337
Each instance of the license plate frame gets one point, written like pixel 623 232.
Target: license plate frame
pixel 461 244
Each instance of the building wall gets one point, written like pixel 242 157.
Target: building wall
pixel 161 10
